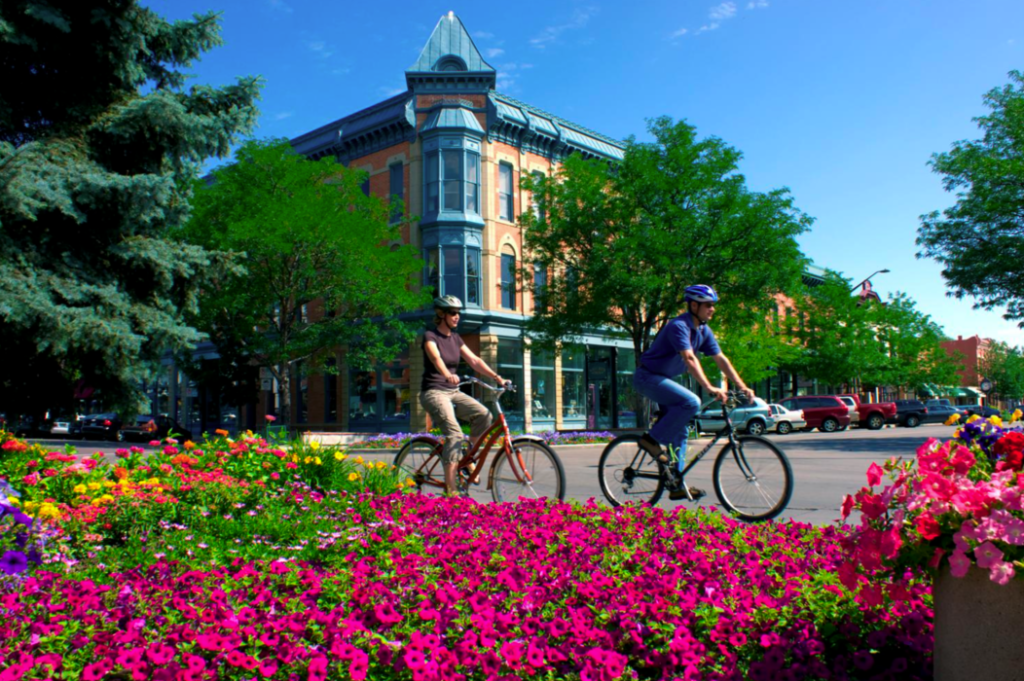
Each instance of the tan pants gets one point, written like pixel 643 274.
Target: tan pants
pixel 445 408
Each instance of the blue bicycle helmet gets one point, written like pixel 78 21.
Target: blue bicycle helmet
pixel 700 293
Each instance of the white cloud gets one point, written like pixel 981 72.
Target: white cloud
pixel 727 10
pixel 283 115
pixel 680 33
pixel 483 35
pixel 708 27
pixel 495 52
pixel 280 6
pixel 757 4
pixel 550 34
pixel 319 48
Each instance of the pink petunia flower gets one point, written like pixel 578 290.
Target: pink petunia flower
pixel 987 555
pixel 959 563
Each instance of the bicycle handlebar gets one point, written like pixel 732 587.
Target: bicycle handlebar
pixel 469 380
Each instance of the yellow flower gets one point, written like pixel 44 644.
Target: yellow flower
pixel 1016 415
pixel 409 482
pixel 956 433
pixel 154 481
pixel 29 505
pixel 352 477
pixel 49 511
pixel 81 489
pixel 381 465
pixel 358 459
pixel 953 418
pixel 973 418
pixel 109 483
pixel 314 445
pixel 295 458
pixel 307 459
pixel 995 421
pixel 13 501
pixel 317 461
pixel 94 486
pixel 340 456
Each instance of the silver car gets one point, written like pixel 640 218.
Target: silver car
pixel 755 418
pixel 787 420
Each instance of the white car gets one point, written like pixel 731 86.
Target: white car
pixel 787 420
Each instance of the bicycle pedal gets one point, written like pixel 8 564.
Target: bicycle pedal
pixel 688 493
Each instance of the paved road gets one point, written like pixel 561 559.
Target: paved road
pixel 825 466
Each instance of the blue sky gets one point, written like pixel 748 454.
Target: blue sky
pixel 841 102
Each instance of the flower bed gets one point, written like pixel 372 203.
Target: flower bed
pixel 221 570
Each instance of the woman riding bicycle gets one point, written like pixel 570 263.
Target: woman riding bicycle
pixel 672 353
pixel 439 392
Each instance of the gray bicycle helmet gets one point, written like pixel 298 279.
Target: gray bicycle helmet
pixel 447 303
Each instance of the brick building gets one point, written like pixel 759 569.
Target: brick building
pixel 454 149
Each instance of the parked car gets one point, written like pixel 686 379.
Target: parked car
pixel 982 411
pixel 101 426
pixel 870 415
pixel 148 427
pixel 851 406
pixel 754 418
pixel 910 413
pixel 827 413
pixel 786 420
pixel 66 426
pixel 28 426
pixel 940 410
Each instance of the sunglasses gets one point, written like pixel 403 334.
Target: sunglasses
pixel 452 313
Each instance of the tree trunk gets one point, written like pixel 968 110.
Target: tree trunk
pixel 284 393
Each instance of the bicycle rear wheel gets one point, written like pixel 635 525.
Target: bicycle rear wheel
pixel 753 480
pixel 420 461
pixel 627 472
pixel 546 477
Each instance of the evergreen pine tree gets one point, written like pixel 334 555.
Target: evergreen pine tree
pixel 100 141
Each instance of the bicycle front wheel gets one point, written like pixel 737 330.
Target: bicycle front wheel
pixel 419 461
pixel 627 472
pixel 535 472
pixel 753 479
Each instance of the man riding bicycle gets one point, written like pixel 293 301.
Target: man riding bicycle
pixel 672 353
pixel 439 391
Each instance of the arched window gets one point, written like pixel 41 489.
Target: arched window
pixel 450 63
pixel 508 277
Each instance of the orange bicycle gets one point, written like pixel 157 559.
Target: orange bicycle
pixel 524 466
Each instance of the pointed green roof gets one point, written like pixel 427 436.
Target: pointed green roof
pixel 450 49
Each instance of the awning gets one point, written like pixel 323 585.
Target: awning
pixel 973 392
pixel 928 389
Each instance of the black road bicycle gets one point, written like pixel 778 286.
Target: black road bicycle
pixel 752 477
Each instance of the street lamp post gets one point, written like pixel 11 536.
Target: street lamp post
pixel 867 279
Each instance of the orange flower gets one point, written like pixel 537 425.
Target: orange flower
pixel 222 433
pixel 121 473
pixel 189 444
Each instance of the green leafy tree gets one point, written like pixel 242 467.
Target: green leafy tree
pixel 321 266
pixel 1003 364
pixel 980 240
pixel 99 142
pixel 620 244
pixel 910 347
pixel 834 333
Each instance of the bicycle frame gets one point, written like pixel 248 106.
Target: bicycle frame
pixel 478 454
pixel 727 430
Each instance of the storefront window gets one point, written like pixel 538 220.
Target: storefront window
pixel 379 398
pixel 542 390
pixel 574 405
pixel 510 366
pixel 628 398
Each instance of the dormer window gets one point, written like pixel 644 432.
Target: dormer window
pixel 450 63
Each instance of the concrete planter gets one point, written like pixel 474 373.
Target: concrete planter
pixel 979 628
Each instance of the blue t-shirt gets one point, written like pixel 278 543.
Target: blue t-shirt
pixel 663 356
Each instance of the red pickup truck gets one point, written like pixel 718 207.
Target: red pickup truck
pixel 870 415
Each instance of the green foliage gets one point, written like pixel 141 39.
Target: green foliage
pixel 321 267
pixel 1003 364
pixel 844 340
pixel 93 174
pixel 621 244
pixel 980 240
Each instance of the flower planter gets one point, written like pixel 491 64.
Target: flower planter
pixel 979 628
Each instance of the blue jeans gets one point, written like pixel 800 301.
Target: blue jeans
pixel 678 406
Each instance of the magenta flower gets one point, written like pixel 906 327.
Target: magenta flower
pixel 987 555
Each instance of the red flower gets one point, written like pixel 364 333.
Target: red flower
pixel 928 527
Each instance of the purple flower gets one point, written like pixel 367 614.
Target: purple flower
pixel 13 562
